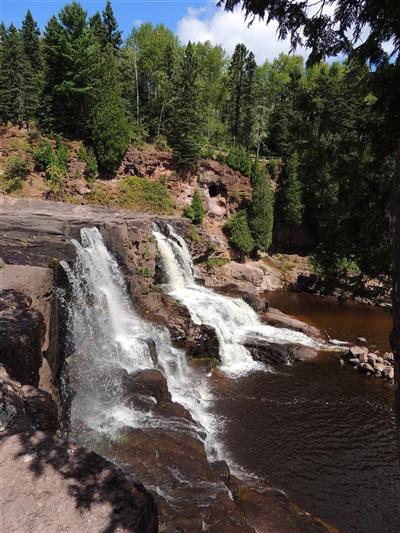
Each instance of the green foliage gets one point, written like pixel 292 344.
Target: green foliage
pixel 194 234
pixel 240 159
pixel 215 262
pixel 262 208
pixel 44 155
pixel 292 204
pixel 145 196
pixel 16 173
pixel 146 272
pixel 196 210
pixel 110 130
pixel 273 167
pixel 238 230
pixel 55 174
pixel 185 128
pixel 87 156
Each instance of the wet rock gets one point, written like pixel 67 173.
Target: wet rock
pixel 222 468
pixel 379 359
pixel 379 367
pixel 151 383
pixel 274 353
pixel 361 339
pixel 202 341
pixel 256 302
pixel 244 272
pixel 279 319
pixel 22 333
pixel 354 361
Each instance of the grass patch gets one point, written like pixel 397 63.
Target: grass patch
pixel 216 261
pixel 146 196
pixel 194 235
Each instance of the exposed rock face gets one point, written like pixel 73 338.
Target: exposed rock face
pixel 274 317
pixel 274 353
pixel 22 333
pixel 30 406
pixel 48 484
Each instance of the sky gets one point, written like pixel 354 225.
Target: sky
pixel 195 20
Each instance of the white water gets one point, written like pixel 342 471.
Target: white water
pixel 234 321
pixel 110 339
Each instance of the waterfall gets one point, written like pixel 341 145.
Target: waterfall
pixel 111 340
pixel 233 320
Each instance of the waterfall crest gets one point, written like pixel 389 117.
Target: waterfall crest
pixel 234 320
pixel 111 340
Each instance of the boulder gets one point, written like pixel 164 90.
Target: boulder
pixel 202 341
pixel 388 356
pixel 356 351
pixel 379 367
pixel 22 334
pixel 388 372
pixel 366 367
pixel 354 361
pixel 279 319
pixel 274 353
pixel 150 382
pixel 256 302
pixel 361 339
pixel 244 272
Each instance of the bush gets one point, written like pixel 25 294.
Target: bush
pixel 44 155
pixel 145 196
pixel 87 156
pixel 15 174
pixel 62 153
pixel 55 175
pixel 196 210
pixel 237 228
pixel 239 159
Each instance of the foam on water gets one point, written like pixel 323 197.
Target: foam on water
pixel 109 337
pixel 234 321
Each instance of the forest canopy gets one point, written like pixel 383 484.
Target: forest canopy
pixel 319 131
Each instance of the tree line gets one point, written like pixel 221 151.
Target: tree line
pixel 322 129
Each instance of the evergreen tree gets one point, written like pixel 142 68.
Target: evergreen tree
pixel 247 126
pixel 17 81
pixel 185 127
pixel 71 71
pixel 236 81
pixel 31 39
pixel 238 230
pixel 292 203
pixel 262 208
pixel 196 210
pixel 113 35
pixel 97 28
pixel 110 127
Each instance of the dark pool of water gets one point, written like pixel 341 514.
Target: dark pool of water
pixel 321 432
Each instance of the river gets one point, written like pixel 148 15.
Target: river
pixel 319 431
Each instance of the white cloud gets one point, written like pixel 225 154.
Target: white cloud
pixel 229 28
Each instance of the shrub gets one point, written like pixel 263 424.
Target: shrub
pixel 239 159
pixel 15 174
pixel 196 210
pixel 62 153
pixel 55 175
pixel 145 196
pixel 237 228
pixel 87 156
pixel 44 155
pixel 161 143
pixel 292 193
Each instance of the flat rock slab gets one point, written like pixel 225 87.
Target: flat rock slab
pixel 49 485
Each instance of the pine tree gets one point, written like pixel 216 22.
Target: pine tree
pixel 236 81
pixel 71 71
pixel 292 204
pixel 113 35
pixel 239 232
pixel 98 29
pixel 17 81
pixel 185 127
pixel 31 39
pixel 247 125
pixel 110 126
pixel 262 208
pixel 196 210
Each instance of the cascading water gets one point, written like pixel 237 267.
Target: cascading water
pixel 234 321
pixel 110 340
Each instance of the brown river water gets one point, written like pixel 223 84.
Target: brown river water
pixel 322 433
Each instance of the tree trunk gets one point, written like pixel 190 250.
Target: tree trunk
pixel 395 335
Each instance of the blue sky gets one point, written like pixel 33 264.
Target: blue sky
pixel 127 11
pixel 195 20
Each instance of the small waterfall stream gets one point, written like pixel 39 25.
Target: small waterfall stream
pixel 233 320
pixel 111 340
